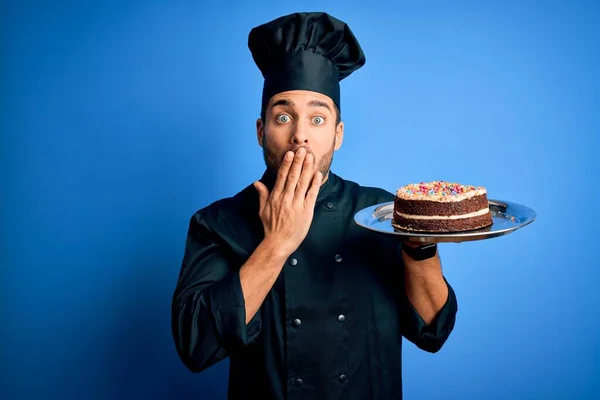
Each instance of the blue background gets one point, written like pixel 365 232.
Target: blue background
pixel 120 119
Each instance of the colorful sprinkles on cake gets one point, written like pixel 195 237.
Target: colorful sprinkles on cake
pixel 438 188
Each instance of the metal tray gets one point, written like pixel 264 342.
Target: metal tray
pixel 507 217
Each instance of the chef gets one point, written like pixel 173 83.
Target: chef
pixel 278 278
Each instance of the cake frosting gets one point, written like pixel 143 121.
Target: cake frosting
pixel 441 206
pixel 439 191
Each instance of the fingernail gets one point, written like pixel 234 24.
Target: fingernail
pixel 288 155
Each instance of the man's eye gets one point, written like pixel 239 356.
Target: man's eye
pixel 318 120
pixel 283 118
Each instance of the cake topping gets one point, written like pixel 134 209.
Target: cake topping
pixel 438 189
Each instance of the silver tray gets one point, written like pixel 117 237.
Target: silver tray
pixel 507 217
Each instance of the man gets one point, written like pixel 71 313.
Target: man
pixel 279 278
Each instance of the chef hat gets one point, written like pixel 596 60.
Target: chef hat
pixel 305 51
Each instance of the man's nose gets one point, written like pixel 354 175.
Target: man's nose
pixel 300 133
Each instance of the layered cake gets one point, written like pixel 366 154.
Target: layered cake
pixel 441 206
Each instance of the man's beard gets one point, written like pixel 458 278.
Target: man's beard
pixel 273 160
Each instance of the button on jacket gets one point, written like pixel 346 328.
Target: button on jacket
pixel 332 325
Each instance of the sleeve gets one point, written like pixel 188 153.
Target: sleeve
pixel 208 317
pixel 429 337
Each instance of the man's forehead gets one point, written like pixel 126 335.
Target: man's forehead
pixel 302 98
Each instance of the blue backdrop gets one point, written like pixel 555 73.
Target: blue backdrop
pixel 119 120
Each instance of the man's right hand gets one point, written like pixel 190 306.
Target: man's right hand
pixel 287 212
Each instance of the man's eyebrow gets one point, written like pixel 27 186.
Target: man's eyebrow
pixel 319 103
pixel 282 102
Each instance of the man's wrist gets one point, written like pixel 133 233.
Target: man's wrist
pixel 420 251
pixel 275 248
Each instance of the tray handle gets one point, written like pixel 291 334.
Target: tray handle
pixel 498 206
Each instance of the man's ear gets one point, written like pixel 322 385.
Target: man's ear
pixel 260 131
pixel 339 135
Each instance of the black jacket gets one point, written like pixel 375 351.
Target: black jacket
pixel 332 325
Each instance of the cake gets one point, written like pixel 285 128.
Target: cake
pixel 441 206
